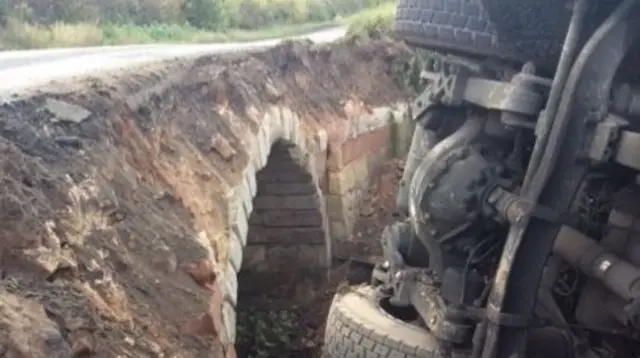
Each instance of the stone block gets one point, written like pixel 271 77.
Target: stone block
pixel 286 118
pixel 250 179
pixel 357 148
pixel 268 187
pixel 65 111
pixel 352 201
pixel 338 230
pixel 223 147
pixel 254 257
pixel 235 251
pixel 286 218
pixel 365 124
pixel 228 335
pixel 334 157
pixel 284 176
pixel 239 223
pixel 364 145
pixel 349 177
pixel 273 121
pixel 264 148
pixel 279 161
pixel 231 285
pixel 299 202
pixel 243 195
pixel 297 136
pixel 334 182
pixel 319 164
pixel 322 140
pixel 282 258
pixel 289 236
pixel 334 206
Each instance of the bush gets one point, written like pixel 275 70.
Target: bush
pixel 372 22
pixel 55 23
pixel 206 14
pixel 24 35
pixel 114 34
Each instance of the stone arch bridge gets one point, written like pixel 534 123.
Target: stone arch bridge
pixel 298 195
pixel 141 196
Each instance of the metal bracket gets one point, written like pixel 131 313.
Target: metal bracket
pixel 453 85
pixel 394 276
pixel 427 301
pixel 611 142
pixel 627 149
pixel 606 138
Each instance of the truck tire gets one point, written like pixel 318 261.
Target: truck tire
pixel 358 327
pixel 451 25
pixel 483 27
pixel 535 28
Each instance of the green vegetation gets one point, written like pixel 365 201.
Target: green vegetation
pixel 66 23
pixel 372 21
pixel 264 334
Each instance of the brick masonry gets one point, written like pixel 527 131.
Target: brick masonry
pixel 300 193
pixel 351 163
pixel 286 227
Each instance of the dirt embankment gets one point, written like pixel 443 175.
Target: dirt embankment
pixel 111 219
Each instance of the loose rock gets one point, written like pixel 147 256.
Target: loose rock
pixel 66 112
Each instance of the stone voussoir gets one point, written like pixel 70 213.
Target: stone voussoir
pixel 229 322
pixel 231 284
pixel 250 179
pixel 242 193
pixel 236 247
pixel 238 221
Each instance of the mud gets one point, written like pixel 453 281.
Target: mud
pixel 111 222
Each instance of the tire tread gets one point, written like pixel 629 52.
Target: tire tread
pixel 448 23
pixel 347 337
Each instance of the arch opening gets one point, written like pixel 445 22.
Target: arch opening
pixel 286 254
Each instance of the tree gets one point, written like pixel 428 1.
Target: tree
pixel 4 14
pixel 206 14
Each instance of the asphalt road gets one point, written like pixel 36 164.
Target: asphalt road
pixel 20 70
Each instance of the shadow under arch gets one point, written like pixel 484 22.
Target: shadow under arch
pixel 287 252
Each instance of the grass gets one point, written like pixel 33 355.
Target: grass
pixel 372 21
pixel 171 33
pixel 18 35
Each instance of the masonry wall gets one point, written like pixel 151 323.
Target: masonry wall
pixel 352 162
pixel 286 227
pixel 336 165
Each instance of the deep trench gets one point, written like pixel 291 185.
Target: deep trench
pixel 284 262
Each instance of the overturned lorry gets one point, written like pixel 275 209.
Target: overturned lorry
pixel 520 192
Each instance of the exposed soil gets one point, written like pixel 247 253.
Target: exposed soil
pixel 108 246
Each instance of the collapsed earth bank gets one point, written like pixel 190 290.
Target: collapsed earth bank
pixel 127 203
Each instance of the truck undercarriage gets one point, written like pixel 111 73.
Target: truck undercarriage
pixel 521 197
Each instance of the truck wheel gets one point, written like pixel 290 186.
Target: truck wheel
pixel 357 326
pixel 451 25
pixel 470 28
pixel 536 28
